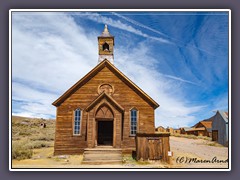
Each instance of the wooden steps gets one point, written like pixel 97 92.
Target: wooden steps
pixel 102 155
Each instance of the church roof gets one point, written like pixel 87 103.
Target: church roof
pixel 118 73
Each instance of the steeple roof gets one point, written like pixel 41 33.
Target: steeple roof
pixel 105 32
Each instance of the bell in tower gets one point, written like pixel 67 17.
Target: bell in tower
pixel 105 46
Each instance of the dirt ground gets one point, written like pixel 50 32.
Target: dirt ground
pixel 182 149
pixel 43 158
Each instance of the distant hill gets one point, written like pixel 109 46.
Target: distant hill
pixel 16 118
pixel 31 133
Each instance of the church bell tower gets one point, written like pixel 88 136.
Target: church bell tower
pixel 105 46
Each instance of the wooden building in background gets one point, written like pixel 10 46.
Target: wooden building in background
pixel 104 108
pixel 203 128
pixel 160 129
pixel 170 130
pixel 183 130
pixel 220 128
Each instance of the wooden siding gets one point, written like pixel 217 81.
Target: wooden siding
pixel 152 146
pixel 67 143
pixel 202 132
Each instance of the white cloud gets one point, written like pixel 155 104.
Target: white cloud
pixel 138 24
pixel 56 54
pixel 26 114
pixel 35 103
pixel 51 53
pixel 120 25
pixel 174 111
pixel 180 79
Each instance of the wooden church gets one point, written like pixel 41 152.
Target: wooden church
pixel 104 108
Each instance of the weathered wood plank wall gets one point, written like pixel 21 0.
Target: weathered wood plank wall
pixel 152 146
pixel 67 143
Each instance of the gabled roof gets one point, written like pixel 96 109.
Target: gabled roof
pixel 109 98
pixel 224 115
pixel 206 124
pixel 118 73
pixel 160 127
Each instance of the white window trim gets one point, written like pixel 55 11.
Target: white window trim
pixel 73 122
pixel 130 118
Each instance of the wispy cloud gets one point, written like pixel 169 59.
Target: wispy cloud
pixel 173 40
pixel 166 90
pixel 139 24
pixel 119 24
pixel 180 79
pixel 47 55
pixel 202 45
pixel 51 51
pixel 32 102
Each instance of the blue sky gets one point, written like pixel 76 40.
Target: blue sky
pixel 179 58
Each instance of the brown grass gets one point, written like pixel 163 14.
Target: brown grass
pixel 28 135
pixel 32 147
pixel 192 136
pixel 21 151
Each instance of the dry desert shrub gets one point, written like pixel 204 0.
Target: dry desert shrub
pixel 21 151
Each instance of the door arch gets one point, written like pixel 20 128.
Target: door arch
pixel 104 112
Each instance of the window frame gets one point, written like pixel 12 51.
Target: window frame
pixel 130 122
pixel 80 123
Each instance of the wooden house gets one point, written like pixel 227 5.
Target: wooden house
pixel 196 131
pixel 173 130
pixel 160 129
pixel 184 129
pixel 170 130
pixel 104 108
pixel 220 128
pixel 202 128
pixel 176 131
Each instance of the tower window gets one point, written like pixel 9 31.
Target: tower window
pixel 77 122
pixel 105 47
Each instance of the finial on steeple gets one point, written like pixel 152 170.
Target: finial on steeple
pixel 105 32
pixel 105 29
